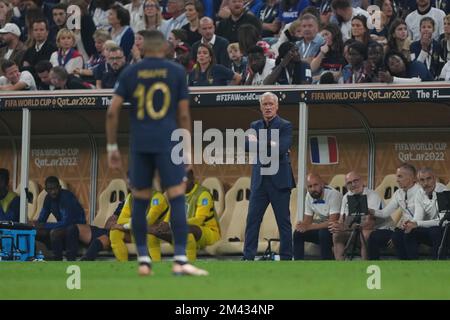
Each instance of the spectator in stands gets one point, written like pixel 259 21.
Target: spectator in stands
pixel 424 9
pixel 358 70
pixel 42 70
pixel 399 70
pixel 238 60
pixel 424 227
pixel 101 13
pixel 343 14
pixel 444 40
pixel 330 57
pixel 5 12
pixel 398 39
pixel 360 32
pixel 177 36
pixel 152 19
pixel 289 67
pixel 121 32
pixel 9 201
pixel 12 49
pixel 202 220
pixel 207 73
pixel 309 45
pixel 194 11
pixel 427 50
pixel 120 232
pixel 136 10
pixel 218 43
pixel 228 28
pixel 62 80
pixel 375 59
pixel 65 208
pixel 341 230
pixel 268 15
pixel 13 79
pixel 292 32
pixel 83 36
pixel 177 10
pixel 116 64
pixel 259 66
pixel 59 16
pixel 95 238
pixel 290 10
pixel 100 37
pixel 183 57
pixel 322 206
pixel 248 37
pixel 66 56
pixel 42 48
pixel 403 198
pixel 137 52
pixel 381 26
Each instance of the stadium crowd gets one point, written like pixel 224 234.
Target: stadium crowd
pixel 47 44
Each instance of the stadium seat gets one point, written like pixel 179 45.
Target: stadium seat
pixel 233 219
pixel 40 202
pixel 215 186
pixel 33 189
pixel 387 187
pixel 115 192
pixel 338 182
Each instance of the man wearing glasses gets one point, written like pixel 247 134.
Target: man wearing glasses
pixel 116 63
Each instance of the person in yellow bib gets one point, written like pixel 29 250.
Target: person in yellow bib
pixel 120 232
pixel 203 223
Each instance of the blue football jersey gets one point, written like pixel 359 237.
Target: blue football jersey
pixel 153 87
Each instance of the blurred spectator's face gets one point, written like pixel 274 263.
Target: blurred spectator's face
pixel 191 13
pixel 345 14
pixel 235 55
pixel 357 28
pixel 426 29
pixel 346 54
pixel 203 56
pixel 396 65
pixel 423 3
pixel 138 41
pixel 12 74
pixel 295 54
pixel 3 10
pixel 99 44
pixel 6 38
pixel 386 8
pixel 256 61
pixel 175 6
pixel 40 32
pixel 309 29
pixel 150 8
pixel 447 26
pixel 298 32
pixel 401 32
pixel 327 36
pixel 66 42
pixel 59 17
pixel 375 55
pixel 207 30
pixel 112 17
pixel 236 7
pixel 45 77
pixel 116 59
pixel 173 39
pixel 355 57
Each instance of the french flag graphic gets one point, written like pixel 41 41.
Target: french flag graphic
pixel 324 150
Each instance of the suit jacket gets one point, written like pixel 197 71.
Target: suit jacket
pixel 284 178
pixel 220 51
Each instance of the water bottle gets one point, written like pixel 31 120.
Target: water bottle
pixel 39 256
pixel 17 256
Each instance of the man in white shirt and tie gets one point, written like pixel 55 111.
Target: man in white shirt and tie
pixel 403 198
pixel 424 227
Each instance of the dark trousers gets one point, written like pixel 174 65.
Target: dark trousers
pixel 398 238
pixel 259 201
pixel 54 237
pixel 429 236
pixel 322 237
pixel 378 239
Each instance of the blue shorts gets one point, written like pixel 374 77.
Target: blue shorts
pixel 97 232
pixel 142 168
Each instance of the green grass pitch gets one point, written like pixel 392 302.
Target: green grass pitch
pixel 229 280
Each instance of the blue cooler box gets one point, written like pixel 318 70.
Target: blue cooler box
pixel 17 244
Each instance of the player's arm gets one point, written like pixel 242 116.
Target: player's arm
pixel 203 210
pixel 158 209
pixel 112 119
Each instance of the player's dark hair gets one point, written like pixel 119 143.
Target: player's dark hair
pixel 51 180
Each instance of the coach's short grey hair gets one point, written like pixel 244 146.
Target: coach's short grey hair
pixel 268 93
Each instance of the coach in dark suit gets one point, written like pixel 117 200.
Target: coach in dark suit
pixel 274 188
